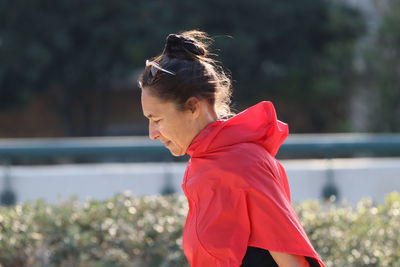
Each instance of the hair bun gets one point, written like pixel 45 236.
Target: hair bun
pixel 178 46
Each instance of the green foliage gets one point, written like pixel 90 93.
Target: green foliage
pixel 366 235
pixel 146 231
pixel 122 231
pixel 74 51
pixel 72 45
pixel 385 70
pixel 296 53
pixel 293 52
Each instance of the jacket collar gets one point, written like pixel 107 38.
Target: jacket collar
pixel 257 124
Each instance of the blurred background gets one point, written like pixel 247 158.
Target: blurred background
pixel 70 113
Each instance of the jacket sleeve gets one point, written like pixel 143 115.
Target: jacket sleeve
pixel 222 225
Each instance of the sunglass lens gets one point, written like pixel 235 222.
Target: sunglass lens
pixel 153 71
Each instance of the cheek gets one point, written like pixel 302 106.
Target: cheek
pixel 167 130
pixel 185 132
pixel 174 132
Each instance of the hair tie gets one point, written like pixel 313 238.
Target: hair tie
pixel 178 44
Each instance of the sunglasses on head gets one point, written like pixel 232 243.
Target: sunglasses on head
pixel 154 67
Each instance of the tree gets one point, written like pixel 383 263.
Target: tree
pixel 294 53
pixel 384 66
pixel 75 50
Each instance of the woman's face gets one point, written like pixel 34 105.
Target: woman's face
pixel 176 129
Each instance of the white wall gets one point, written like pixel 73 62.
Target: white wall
pixel 355 179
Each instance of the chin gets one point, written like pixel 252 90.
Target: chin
pixel 177 153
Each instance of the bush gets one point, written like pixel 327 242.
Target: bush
pixel 146 231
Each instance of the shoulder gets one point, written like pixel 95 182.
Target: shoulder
pixel 233 156
pixel 249 150
pixel 233 163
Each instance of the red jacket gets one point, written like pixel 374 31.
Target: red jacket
pixel 238 192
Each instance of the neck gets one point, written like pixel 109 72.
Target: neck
pixel 207 117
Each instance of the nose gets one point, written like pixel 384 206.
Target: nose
pixel 153 132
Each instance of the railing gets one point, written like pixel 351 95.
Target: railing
pixel 340 145
pixel 141 149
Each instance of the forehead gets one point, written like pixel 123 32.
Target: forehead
pixel 153 106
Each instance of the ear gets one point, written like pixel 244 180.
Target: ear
pixel 193 105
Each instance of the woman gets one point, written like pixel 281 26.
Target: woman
pixel 239 200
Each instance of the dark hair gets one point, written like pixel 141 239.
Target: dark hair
pixel 184 69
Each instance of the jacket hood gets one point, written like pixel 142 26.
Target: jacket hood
pixel 257 124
